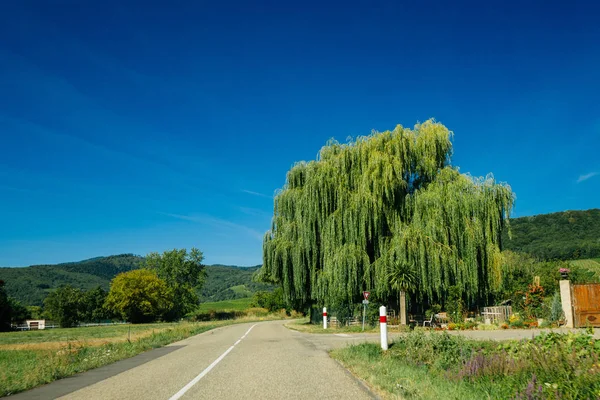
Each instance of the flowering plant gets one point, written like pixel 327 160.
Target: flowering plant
pixel 564 270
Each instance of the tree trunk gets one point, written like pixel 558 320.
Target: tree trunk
pixel 402 307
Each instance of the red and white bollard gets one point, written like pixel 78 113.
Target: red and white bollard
pixel 383 327
pixel 324 317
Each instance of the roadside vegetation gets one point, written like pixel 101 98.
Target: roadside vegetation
pixel 261 304
pixel 434 366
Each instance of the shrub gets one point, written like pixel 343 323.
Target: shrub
pixel 556 311
pixel 215 315
pixel 565 366
pixel 534 300
pixel 546 324
pixel 455 305
pixel 470 325
pixel 272 301
pixel 435 309
pixel 517 324
pixel 531 324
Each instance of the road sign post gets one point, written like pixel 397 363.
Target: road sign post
pixel 324 317
pixel 365 302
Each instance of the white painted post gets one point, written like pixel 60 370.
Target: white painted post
pixel 383 327
pixel 324 317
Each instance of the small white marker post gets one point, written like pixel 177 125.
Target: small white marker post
pixel 324 317
pixel 383 327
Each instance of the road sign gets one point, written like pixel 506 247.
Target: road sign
pixel 366 295
pixel 365 301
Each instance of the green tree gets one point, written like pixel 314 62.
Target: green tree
pixel 272 301
pixel 402 279
pixel 184 274
pixel 93 309
pixel 19 312
pixel 139 296
pixel 63 305
pixel 5 309
pixel 35 312
pixel 338 218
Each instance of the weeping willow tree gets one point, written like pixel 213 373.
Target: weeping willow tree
pixel 343 221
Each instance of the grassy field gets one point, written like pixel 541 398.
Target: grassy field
pixel 30 359
pixel 226 305
pixel 592 264
pixel 96 334
pixel 241 290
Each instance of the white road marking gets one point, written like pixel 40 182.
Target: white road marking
pixel 207 370
pixel 342 334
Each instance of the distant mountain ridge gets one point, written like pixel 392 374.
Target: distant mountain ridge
pixel 30 285
pixel 565 235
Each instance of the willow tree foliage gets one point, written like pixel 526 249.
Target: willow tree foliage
pixel 343 221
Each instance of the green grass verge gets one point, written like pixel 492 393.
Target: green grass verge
pixel 393 379
pixel 25 369
pixel 226 305
pixel 434 366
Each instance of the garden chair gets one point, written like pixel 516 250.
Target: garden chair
pixel 430 321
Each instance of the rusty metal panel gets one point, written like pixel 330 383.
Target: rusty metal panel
pixel 586 305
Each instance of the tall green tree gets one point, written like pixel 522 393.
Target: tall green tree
pixel 63 305
pixel 92 305
pixel 184 274
pixel 139 296
pixel 5 309
pixel 19 313
pixel 338 220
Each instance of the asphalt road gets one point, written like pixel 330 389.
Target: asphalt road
pixel 245 361
pixel 267 361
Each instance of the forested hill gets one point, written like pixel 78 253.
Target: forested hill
pixel 30 285
pixel 563 235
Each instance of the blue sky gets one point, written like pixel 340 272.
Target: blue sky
pixel 129 128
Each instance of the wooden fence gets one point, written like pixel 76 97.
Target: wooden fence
pixel 497 314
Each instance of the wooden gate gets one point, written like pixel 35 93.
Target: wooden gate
pixel 586 304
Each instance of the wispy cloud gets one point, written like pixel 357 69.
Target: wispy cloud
pixel 256 194
pixel 255 212
pixel 587 176
pixel 217 222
